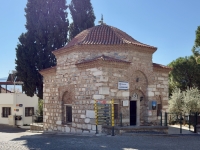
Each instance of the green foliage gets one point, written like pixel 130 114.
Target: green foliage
pixel 82 15
pixel 198 60
pixel 47 27
pixel 185 74
pixel 176 102
pixel 191 98
pixel 39 112
pixel 184 102
pixel 196 47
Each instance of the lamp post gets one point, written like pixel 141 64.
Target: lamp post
pixel 14 83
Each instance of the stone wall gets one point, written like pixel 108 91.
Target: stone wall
pixel 88 82
pixel 159 92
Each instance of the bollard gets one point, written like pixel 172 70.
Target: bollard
pixel 181 123
pixel 195 123
pixel 165 119
pixel 112 116
pixel 121 119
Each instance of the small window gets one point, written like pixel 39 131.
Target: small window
pixel 29 111
pixel 6 111
pixel 159 108
pixel 116 111
pixel 68 114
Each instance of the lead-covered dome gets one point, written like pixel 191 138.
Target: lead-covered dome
pixel 104 35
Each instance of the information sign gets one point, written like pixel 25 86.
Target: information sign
pixel 123 85
pixel 104 113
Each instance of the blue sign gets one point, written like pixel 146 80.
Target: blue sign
pixel 154 104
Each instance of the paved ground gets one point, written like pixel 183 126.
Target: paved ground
pixel 19 139
pixel 175 129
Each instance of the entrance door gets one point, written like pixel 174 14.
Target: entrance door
pixel 133 110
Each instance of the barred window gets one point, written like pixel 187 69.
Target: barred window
pixel 116 111
pixel 29 111
pixel 6 111
pixel 159 109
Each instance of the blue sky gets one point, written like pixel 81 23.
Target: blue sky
pixel 169 25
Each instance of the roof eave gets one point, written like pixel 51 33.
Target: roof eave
pixel 48 71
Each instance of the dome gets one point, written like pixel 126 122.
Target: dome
pixel 104 35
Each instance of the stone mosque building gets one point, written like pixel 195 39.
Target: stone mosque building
pixel 103 63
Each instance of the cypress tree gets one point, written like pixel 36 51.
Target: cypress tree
pixel 82 15
pixel 47 28
pixel 196 47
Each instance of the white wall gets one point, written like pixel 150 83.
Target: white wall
pixel 2 119
pixel 27 102
pixel 6 98
pixel 19 98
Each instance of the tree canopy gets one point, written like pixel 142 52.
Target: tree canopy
pixel 47 28
pixel 82 15
pixel 185 101
pixel 196 47
pixel 185 73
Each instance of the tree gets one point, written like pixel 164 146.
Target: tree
pixel 176 103
pixel 47 28
pixel 182 102
pixel 185 74
pixel 82 15
pixel 191 98
pixel 196 47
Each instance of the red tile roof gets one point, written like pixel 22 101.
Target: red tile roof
pixel 102 57
pixel 161 66
pixel 104 35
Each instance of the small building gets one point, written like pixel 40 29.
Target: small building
pixel 4 90
pixel 103 63
pixel 16 108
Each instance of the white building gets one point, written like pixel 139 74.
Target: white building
pixel 17 104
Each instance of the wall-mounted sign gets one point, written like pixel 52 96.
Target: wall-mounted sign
pixel 123 85
pixel 125 103
pixel 135 96
pixel 152 105
pixel 16 109
pixel 150 113
pixel 20 105
pixel 102 102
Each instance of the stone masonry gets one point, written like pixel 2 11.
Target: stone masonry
pixel 86 72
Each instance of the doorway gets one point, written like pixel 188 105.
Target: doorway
pixel 133 112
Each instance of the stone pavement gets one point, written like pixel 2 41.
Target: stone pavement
pixel 19 139
pixel 175 129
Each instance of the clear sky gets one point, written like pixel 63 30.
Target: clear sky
pixel 169 25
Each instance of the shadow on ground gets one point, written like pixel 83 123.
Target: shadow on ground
pixel 82 142
pixel 11 129
pixel 139 142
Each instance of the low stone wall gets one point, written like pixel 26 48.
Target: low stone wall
pixel 36 127
pixel 135 129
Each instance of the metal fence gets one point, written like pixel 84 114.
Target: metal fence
pixel 193 119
